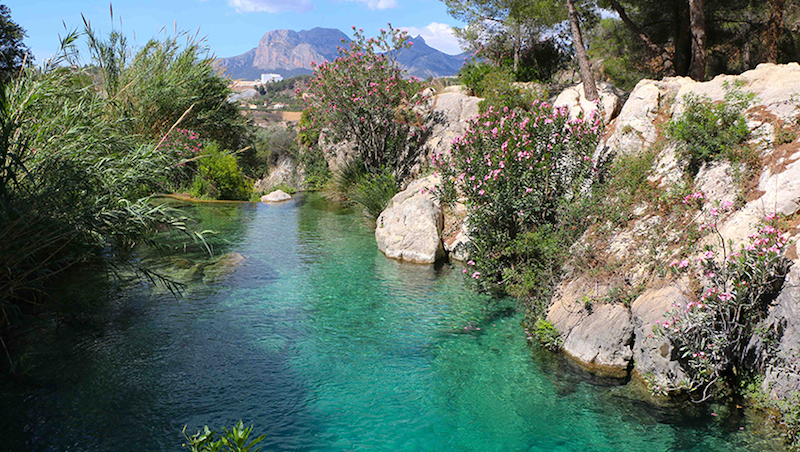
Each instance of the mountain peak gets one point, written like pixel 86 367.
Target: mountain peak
pixel 292 52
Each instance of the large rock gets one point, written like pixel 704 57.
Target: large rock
pixel 574 99
pixel 781 351
pixel 276 196
pixel 455 235
pixel 411 226
pixel 285 172
pixel 600 338
pixel 450 114
pixel 635 127
pixel 655 356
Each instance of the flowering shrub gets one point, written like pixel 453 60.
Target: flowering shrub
pixel 362 97
pixel 712 333
pixel 517 171
pixel 181 146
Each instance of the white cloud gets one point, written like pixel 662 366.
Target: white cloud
pixel 377 4
pixel 439 36
pixel 270 6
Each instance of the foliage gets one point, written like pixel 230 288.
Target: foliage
pixel 708 131
pixel 501 31
pixel 547 334
pixel 624 59
pixel 712 333
pixel 234 440
pixel 540 253
pixel 13 52
pixel 363 97
pixel 517 171
pixel 165 83
pixel 315 167
pixel 374 191
pixel 180 146
pixel 271 144
pixel 499 92
pixel 473 73
pixel 219 177
pixel 74 185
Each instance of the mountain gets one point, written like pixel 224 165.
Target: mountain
pixel 290 53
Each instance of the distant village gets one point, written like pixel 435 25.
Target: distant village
pixel 268 99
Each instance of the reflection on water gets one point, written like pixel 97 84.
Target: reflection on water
pixel 301 327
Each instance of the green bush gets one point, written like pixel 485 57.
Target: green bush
pixel 315 168
pixel 234 440
pixel 472 75
pixel 499 92
pixel 709 131
pixel 547 335
pixel 219 177
pixel 374 191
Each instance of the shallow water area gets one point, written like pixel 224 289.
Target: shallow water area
pixel 308 332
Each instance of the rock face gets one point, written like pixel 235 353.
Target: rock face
pixel 782 366
pixel 575 100
pixel 411 226
pixel 650 234
pixel 450 112
pixel 600 337
pixel 276 196
pixel 655 356
pixel 285 172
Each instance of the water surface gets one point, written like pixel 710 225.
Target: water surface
pixel 323 344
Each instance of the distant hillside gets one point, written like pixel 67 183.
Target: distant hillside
pixel 290 53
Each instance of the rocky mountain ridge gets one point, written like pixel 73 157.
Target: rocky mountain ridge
pixel 290 53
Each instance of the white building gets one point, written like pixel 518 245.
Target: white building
pixel 269 78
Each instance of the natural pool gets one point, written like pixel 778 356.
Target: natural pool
pixel 324 344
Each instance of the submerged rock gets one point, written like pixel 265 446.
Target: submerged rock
pixel 411 226
pixel 276 196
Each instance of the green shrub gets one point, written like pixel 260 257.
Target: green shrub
pixel 472 75
pixel 234 440
pixel 219 177
pixel 499 92
pixel 708 131
pixel 547 335
pixel 374 191
pixel 315 168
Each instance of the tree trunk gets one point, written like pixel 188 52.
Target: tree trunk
pixel 681 38
pixel 774 29
pixel 589 88
pixel 517 45
pixel 666 57
pixel 697 68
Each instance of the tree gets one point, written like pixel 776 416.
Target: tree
pixel 589 88
pixel 13 52
pixel 774 29
pixel 516 21
pixel 697 18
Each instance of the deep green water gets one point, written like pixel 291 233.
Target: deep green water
pixel 324 344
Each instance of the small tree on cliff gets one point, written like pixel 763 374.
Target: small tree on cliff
pixel 363 98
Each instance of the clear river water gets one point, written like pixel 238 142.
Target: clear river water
pixel 323 344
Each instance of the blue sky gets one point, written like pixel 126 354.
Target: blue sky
pixel 232 27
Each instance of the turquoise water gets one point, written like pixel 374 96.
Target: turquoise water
pixel 324 344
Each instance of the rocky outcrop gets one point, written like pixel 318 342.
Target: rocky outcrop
pixel 778 345
pixel 608 105
pixel 651 234
pixel 597 336
pixel 450 113
pixel 654 355
pixel 411 226
pixel 285 172
pixel 276 196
